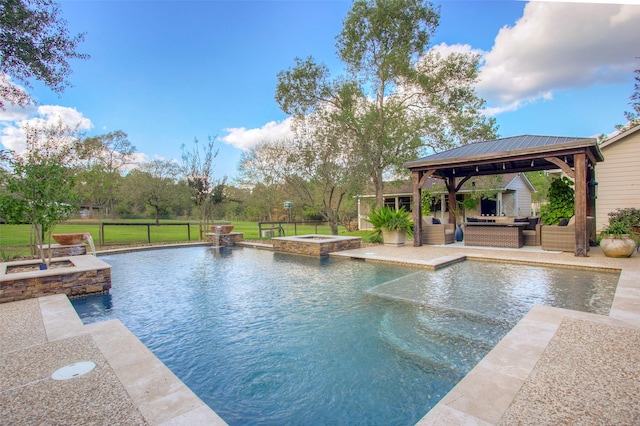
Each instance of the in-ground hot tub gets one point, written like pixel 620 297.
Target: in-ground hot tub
pixel 315 244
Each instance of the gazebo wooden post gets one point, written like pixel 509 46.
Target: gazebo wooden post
pixel 417 209
pixel 451 186
pixel 580 168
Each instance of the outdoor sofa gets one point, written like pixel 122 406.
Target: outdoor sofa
pixel 499 236
pixel 563 237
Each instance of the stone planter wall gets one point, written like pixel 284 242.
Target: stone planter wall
pixel 311 245
pixel 89 275
pixel 58 250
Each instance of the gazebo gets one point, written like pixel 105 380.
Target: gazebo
pixel 576 157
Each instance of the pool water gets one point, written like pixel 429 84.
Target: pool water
pixel 268 338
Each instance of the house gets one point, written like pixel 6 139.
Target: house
pixel 500 195
pixel 619 175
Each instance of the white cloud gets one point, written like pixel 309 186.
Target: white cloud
pixel 556 46
pixel 245 139
pixel 446 49
pixel 13 136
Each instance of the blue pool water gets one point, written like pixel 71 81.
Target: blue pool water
pixel 268 338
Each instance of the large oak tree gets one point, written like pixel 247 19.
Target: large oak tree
pixel 398 99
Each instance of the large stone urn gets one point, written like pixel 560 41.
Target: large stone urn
pixel 617 245
pixel 394 238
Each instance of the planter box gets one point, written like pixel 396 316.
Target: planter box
pixel 88 275
pixel 394 238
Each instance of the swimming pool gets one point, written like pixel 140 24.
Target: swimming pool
pixel 268 338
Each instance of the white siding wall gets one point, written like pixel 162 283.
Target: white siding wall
pixel 523 197
pixel 618 178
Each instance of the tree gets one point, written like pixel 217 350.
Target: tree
pixel 198 168
pixel 40 187
pixel 313 168
pixel 103 159
pixel 633 116
pixel 153 184
pixel 398 100
pixel 35 44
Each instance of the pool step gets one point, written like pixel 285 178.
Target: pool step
pixel 441 338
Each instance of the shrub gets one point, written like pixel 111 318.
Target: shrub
pixel 629 217
pixel 561 202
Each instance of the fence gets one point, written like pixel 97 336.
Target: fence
pixel 277 229
pixel 20 237
pixel 102 239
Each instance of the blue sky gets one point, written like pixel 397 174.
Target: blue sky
pixel 166 72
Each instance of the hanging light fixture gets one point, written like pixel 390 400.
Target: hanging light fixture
pixel 531 163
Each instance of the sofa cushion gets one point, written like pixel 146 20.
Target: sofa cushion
pixel 472 219
pixel 533 221
pixel 572 220
pixel 427 220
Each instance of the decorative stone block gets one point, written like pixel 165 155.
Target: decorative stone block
pixel 223 240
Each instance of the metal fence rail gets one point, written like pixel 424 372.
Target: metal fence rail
pixel 270 229
pixel 148 225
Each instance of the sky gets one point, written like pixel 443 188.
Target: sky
pixel 169 72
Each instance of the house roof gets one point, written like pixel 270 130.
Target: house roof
pixel 513 154
pixel 619 136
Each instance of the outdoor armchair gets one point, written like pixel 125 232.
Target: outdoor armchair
pixel 440 233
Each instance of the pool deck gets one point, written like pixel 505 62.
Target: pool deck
pixel 555 367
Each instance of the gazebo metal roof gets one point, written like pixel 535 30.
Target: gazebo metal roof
pixel 508 155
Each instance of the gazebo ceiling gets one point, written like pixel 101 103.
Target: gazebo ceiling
pixel 508 155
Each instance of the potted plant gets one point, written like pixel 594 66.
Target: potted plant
pixel 393 225
pixel 616 241
pixel 629 216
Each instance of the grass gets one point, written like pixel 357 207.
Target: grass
pixel 15 239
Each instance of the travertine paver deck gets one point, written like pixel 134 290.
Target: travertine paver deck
pixel 509 386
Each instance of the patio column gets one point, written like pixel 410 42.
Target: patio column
pixel 417 208
pixel 451 186
pixel 580 207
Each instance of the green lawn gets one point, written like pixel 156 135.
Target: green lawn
pixel 14 239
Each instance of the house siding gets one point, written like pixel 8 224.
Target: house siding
pixel 618 178
pixel 522 197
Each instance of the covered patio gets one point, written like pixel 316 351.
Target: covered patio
pixel 576 157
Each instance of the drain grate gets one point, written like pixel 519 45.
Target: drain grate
pixel 74 370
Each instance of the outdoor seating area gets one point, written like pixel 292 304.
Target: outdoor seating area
pixel 504 231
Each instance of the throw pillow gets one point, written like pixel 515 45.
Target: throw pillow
pixel 563 222
pixel 436 221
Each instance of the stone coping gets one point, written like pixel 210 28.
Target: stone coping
pixel 80 264
pixel 316 238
